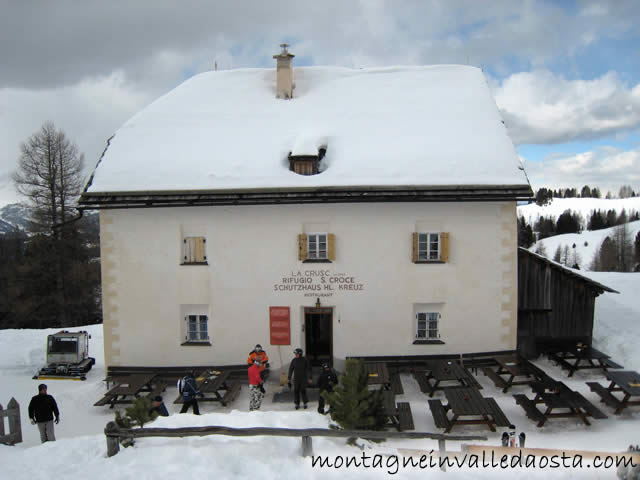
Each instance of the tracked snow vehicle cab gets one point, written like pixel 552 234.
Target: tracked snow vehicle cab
pixel 67 356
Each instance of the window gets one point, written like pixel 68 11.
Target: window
pixel 193 251
pixel 316 247
pixel 427 326
pixel 197 328
pixel 430 247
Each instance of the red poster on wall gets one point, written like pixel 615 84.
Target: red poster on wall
pixel 279 325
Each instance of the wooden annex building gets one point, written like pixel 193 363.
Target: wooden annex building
pixel 555 304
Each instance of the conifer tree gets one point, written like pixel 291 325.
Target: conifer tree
pixel 352 405
pixel 137 414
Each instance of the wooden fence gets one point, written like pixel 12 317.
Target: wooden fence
pixel 114 433
pixel 12 413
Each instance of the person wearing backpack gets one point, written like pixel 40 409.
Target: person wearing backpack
pixel 189 390
pixel 327 380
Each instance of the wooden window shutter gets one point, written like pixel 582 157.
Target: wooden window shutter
pixel 331 246
pixel 444 247
pixel 189 250
pixel 302 247
pixel 199 250
pixel 414 251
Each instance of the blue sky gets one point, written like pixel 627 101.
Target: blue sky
pixel 565 74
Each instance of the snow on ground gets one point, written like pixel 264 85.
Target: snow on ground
pixel 81 445
pixel 586 243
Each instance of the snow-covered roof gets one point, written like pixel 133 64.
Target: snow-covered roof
pixel 384 127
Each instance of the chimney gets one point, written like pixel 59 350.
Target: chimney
pixel 284 73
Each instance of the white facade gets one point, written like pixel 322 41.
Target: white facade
pixel 252 260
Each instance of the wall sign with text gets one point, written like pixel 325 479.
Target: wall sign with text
pixel 280 325
pixel 318 283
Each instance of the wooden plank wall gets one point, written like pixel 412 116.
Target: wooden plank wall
pixel 553 307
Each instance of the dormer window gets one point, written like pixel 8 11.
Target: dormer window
pixel 306 164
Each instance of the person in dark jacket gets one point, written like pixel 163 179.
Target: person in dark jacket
pixel 158 406
pixel 300 370
pixel 42 408
pixel 189 393
pixel 327 380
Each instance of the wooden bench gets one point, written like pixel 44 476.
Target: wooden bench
pixel 562 363
pixel 396 383
pixel 423 383
pixel 588 407
pixel 499 418
pixel 389 403
pixel 439 414
pixel 497 380
pixel 158 389
pixel 231 393
pixel 530 409
pixel 106 400
pixel 405 417
pixel 605 395
pixel 608 363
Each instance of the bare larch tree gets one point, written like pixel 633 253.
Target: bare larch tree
pixel 49 175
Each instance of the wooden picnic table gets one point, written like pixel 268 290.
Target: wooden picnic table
pixel 468 407
pixel 378 374
pixel 399 415
pixel 450 372
pixel 581 357
pixel 626 382
pixel 557 396
pixel 513 370
pixel 129 387
pixel 215 387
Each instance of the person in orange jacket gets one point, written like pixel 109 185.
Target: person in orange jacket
pixel 259 354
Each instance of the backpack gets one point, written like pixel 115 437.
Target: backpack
pixel 181 383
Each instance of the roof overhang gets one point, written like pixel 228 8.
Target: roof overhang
pixel 600 288
pixel 455 193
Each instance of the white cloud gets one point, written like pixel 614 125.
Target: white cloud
pixel 541 107
pixel 607 168
pixel 89 112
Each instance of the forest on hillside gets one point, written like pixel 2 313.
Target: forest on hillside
pixel 618 252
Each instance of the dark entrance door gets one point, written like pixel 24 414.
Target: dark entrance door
pixel 318 323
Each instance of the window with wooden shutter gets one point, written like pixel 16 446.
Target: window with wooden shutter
pixel 430 247
pixel 194 252
pixel 317 247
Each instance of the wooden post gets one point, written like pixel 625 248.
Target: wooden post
pixel 15 428
pixel 307 446
pixel 443 454
pixel 113 439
